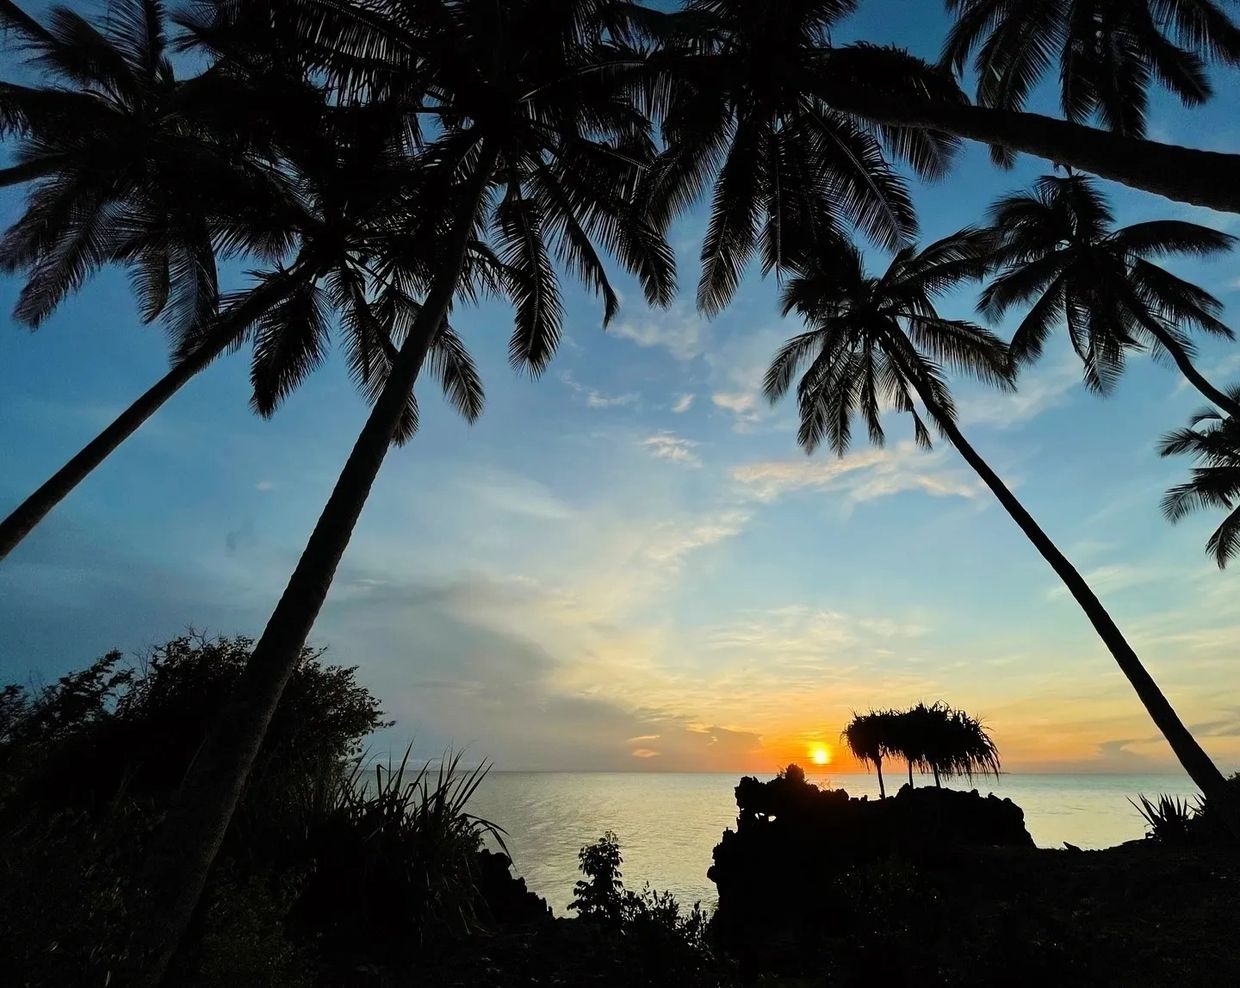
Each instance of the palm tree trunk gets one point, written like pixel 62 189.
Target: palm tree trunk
pixel 910 775
pixel 937 783
pixel 1204 178
pixel 36 507
pixel 1194 377
pixel 186 845
pixel 1196 762
pixel 882 790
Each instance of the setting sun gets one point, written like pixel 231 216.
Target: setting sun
pixel 820 755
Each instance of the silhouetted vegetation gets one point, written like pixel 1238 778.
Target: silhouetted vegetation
pixel 1211 440
pixel 329 867
pixel 375 163
pixel 938 739
pixel 937 887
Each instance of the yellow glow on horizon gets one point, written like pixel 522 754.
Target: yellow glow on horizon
pixel 820 754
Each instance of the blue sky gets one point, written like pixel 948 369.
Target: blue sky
pixel 628 563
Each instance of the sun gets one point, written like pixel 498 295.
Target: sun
pixel 820 754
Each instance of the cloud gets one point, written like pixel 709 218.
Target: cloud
pixel 667 446
pixel 595 398
pixel 683 403
pixel 673 541
pixel 264 486
pixel 1038 392
pixel 598 399
pixel 862 476
pixel 745 407
pixel 679 330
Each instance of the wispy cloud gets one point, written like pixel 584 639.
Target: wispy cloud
pixel 679 330
pixel 1039 391
pixel 668 446
pixel 598 399
pixel 862 476
pixel 742 404
pixel 673 541
pixel 594 398
pixel 682 404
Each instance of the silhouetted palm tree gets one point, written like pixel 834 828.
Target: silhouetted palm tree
pixel 876 342
pixel 328 185
pixel 1213 441
pixel 741 94
pixel 1057 248
pixel 131 166
pixel 537 149
pixel 865 736
pixel 1107 54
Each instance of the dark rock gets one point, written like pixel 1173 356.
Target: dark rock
pixel 507 900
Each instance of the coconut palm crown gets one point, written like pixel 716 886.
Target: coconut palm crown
pixel 1107 53
pixel 1213 442
pixel 877 341
pixel 743 94
pixel 1059 253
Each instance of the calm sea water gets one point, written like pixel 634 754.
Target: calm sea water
pixel 668 823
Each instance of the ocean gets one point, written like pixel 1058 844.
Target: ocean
pixel 668 823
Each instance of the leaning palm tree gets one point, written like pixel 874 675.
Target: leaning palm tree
pixel 1059 252
pixel 1213 441
pixel 740 90
pixel 876 342
pixel 330 181
pixel 131 165
pixel 1107 54
pixel 536 153
pixel 865 738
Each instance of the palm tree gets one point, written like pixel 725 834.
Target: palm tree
pixel 134 166
pixel 332 181
pixel 1060 253
pixel 738 88
pixel 875 342
pixel 1108 53
pixel 1215 482
pixel 537 150
pixel 865 736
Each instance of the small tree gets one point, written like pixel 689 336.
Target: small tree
pixel 600 896
pixel 938 739
pixel 864 737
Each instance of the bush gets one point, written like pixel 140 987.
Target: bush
pixel 659 944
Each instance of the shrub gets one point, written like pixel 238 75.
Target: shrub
pixel 659 943
pixel 1170 820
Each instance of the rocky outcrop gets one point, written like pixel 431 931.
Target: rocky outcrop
pixel 798 853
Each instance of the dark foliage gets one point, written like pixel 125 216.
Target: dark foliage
pixel 1212 441
pixel 658 944
pixel 324 870
pixel 121 731
pixel 1058 253
pixel 1106 54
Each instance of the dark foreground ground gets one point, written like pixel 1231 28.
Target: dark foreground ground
pixel 1139 914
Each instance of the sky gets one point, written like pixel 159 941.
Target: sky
pixel 628 564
